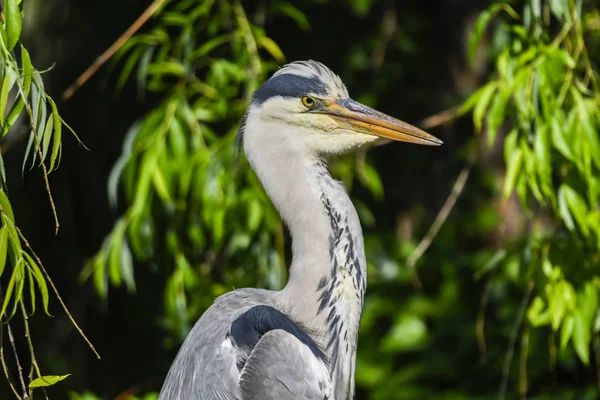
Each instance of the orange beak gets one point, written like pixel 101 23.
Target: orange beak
pixel 354 116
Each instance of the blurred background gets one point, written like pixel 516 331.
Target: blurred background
pixel 498 300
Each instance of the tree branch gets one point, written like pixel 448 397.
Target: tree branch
pixel 108 53
pixel 62 303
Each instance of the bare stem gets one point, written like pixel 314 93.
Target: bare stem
pixel 34 364
pixel 480 325
pixel 457 189
pixel 11 339
pixel 4 367
pixel 108 53
pixel 62 303
pixel 513 340
pixel 523 365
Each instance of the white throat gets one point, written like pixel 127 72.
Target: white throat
pixel 327 278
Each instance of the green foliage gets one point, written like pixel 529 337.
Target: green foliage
pixel 205 226
pixel 190 204
pixel 48 380
pixel 24 106
pixel 544 91
pixel 186 206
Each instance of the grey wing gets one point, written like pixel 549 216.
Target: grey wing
pixel 205 366
pixel 282 367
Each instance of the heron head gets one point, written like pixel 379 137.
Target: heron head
pixel 306 104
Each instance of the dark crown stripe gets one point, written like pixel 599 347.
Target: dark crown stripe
pixel 289 85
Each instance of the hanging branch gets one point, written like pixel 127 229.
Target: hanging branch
pixel 108 53
pixel 62 303
pixel 11 339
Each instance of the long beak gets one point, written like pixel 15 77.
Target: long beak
pixel 352 115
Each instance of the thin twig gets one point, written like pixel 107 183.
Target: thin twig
pixel 597 356
pixel 388 30
pixel 441 217
pixel 11 339
pixel 44 169
pixel 513 340
pixel 440 118
pixel 523 364
pixel 19 368
pixel 62 303
pixel 108 53
pixel 47 183
pixel 34 364
pixel 255 64
pixel 4 367
pixel 480 324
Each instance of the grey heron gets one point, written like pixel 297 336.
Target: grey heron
pixel 300 342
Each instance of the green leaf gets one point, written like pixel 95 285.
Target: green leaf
pixel 563 208
pixel 48 380
pixel 5 205
pixel 114 258
pixel 557 307
pixel 537 314
pixel 127 267
pixel 27 71
pixel 581 338
pixel 161 186
pixel 7 83
pixel 56 149
pixel 100 276
pixel 57 133
pixel 210 45
pixel 255 213
pixel 294 13
pixel 482 23
pixel 512 172
pixel 541 148
pixel 484 100
pixel 408 333
pixel 10 287
pixel 560 141
pixel 577 206
pixel 496 114
pixel 3 247
pixel 273 49
pixel 14 23
pixel 41 282
pixel 47 137
pixel 566 331
pixel 177 139
pixel 593 143
pixel 31 280
pixel 370 178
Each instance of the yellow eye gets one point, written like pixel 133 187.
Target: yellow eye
pixel 308 101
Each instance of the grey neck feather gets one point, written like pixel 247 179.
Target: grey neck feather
pixel 327 278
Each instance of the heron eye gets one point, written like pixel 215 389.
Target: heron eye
pixel 308 101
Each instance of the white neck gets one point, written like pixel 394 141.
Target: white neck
pixel 327 278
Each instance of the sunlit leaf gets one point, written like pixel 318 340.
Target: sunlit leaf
pixel 483 21
pixel 581 338
pixel 3 247
pixel 512 172
pixel 273 49
pixel 482 104
pixel 41 282
pixel 576 205
pixel 408 333
pixel 5 205
pixel 48 380
pixel 14 23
